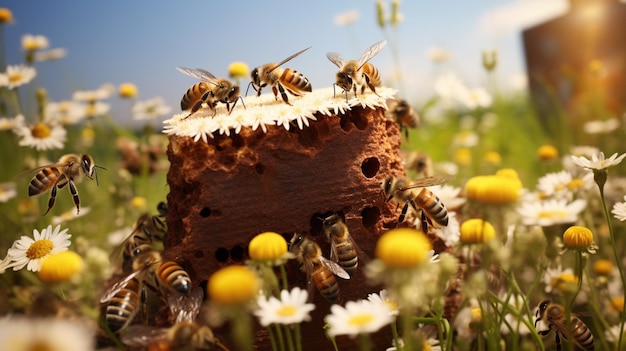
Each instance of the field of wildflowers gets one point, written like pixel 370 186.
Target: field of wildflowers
pixel 534 248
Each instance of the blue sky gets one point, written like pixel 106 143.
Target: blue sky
pixel 142 41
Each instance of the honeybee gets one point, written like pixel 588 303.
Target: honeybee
pixel 401 112
pixel 402 192
pixel 343 248
pixel 319 270
pixel 281 80
pixel 122 298
pixel 182 336
pixel 420 162
pixel 361 72
pixel 210 90
pixel 147 229
pixel 69 170
pixel 554 316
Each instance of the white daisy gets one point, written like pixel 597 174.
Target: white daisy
pixel 382 297
pixel 102 93
pixel 619 210
pixel 450 234
pixel 4 263
pixel 612 334
pixel 598 162
pixel 550 212
pixel 465 138
pixel 49 55
pixel 50 334
pixel 34 42
pixel 290 309
pixel 150 109
pixel 31 252
pixel 558 185
pixel 17 75
pixel 437 54
pixel 69 215
pixel 11 123
pixel 41 136
pixel 65 112
pixel 358 317
pixel 346 18
pixel 96 108
pixel 7 191
pixel 601 127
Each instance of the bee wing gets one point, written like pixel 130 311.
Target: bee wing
pixel 335 58
pixel 288 59
pixel 111 291
pixel 198 73
pixel 428 181
pixel 335 268
pixel 185 308
pixel 371 52
pixel 363 257
pixel 143 335
pixel 37 169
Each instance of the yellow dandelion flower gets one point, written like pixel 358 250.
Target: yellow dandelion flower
pixel 463 156
pixel 233 285
pixel 578 238
pixel 61 267
pixel 138 202
pixel 547 152
pixel 602 267
pixel 127 90
pixel 6 16
pixel 268 246
pixel 497 190
pixel 475 231
pixel 238 70
pixel 492 157
pixel 402 248
pixel 617 303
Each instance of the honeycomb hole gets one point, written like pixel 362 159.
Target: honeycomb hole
pixel 370 216
pixel 359 120
pixel 370 167
pixel 237 253
pixel 205 212
pixel 221 255
pixel 259 168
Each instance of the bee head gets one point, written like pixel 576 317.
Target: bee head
pixel 344 80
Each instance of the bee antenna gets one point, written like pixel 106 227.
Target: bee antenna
pixel 96 173
pixel 248 88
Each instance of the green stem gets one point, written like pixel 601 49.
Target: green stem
pixel 617 260
pixel 281 341
pixel 290 343
pixel 396 338
pixel 283 275
pixel 364 342
pixel 272 338
pixel 298 337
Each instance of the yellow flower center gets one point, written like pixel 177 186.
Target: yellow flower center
pixel 463 156
pixel 602 267
pixel 547 152
pixel 361 319
pixel 40 131
pixel 39 345
pixel 575 184
pixel 39 249
pixel 286 311
pixel 499 189
pixel 15 77
pixel 6 16
pixel 60 267
pixel 402 248
pixel 426 346
pixel 127 90
pixel 493 158
pixel 267 246
pixel 552 214
pixel 474 231
pixel 618 303
pixel 238 70
pixel 577 237
pixel 138 202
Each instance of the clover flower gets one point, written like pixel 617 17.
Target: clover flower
pixel 291 308
pixel 31 252
pixel 357 317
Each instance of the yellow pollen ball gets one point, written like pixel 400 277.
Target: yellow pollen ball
pixel 602 267
pixel 39 249
pixel 286 311
pixel 138 202
pixel 6 16
pixel 463 156
pixel 361 319
pixel 40 131
pixel 577 237
pixel 475 231
pixel 60 267
pixel 547 152
pixel 493 158
pixel 402 248
pixel 233 285
pixel 267 246
pixel 238 70
pixel 127 90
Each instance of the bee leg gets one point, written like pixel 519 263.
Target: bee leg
pixel 74 193
pixel 405 209
pixel 283 93
pixel 557 341
pixel 53 196
pixel 424 222
pixel 144 305
pixel 370 85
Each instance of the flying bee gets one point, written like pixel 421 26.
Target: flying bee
pixel 420 162
pixel 210 90
pixel 319 270
pixel 281 80
pixel 343 248
pixel 403 192
pixel 361 72
pixel 182 336
pixel 554 316
pixel 401 112
pixel 69 170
